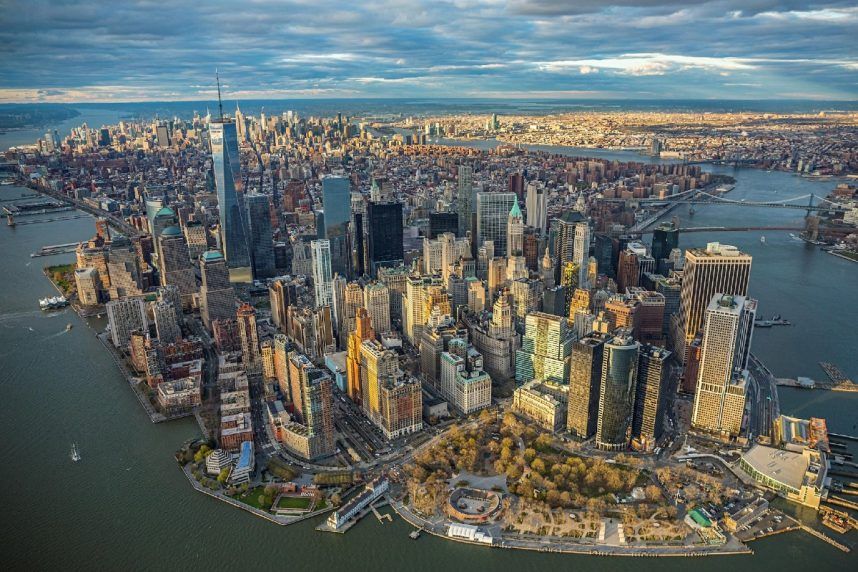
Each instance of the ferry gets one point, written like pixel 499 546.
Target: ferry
pixel 75 454
pixel 53 303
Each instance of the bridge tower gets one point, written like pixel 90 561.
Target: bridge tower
pixel 811 222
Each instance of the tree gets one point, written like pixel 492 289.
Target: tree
pixel 653 493
pixel 336 499
pixel 538 465
pixel 485 416
pixel 529 454
pixel 222 476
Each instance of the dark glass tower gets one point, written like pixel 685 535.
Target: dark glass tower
pixel 261 240
pixel 336 199
pixel 664 239
pixel 227 171
pixel 383 236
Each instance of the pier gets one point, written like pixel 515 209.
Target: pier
pixel 840 436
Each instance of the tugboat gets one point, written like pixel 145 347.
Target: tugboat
pixel 69 326
pixel 75 454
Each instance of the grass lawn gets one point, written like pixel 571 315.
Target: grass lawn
pixel 251 498
pixel 299 503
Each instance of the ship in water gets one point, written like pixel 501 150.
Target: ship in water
pixel 75 453
pixel 762 239
pixel 53 303
pixel 69 326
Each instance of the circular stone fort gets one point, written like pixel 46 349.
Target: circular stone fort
pixel 473 505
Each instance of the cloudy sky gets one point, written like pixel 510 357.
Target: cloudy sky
pixel 123 50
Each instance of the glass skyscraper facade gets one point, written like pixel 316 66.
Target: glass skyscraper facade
pixel 617 392
pixel 261 241
pixel 492 217
pixel 384 236
pixel 336 199
pixel 227 171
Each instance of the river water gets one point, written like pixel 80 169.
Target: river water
pixel 127 506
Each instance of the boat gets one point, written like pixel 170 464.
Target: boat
pixel 52 303
pixel 763 239
pixel 415 534
pixel 69 326
pixel 75 454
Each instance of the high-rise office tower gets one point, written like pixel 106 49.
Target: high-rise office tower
pixel 250 355
pixel 617 392
pixel 125 316
pixel 664 239
pixel 281 293
pixel 282 348
pixel 628 271
pixel 318 411
pixel 565 231
pixel 720 397
pixel 123 265
pixel 336 199
pixel 719 268
pixel 352 300
pixel 536 204
pixel 465 198
pixel 163 218
pixel 376 300
pixel 648 418
pixel 196 235
pixel 260 238
pixel 400 407
pixel 493 210
pixel 545 351
pixel 585 377
pixel 377 366
pixel 227 172
pixel 217 297
pixel 363 331
pixel 463 382
pixel 442 222
pixel 581 252
pixel 166 322
pixel 176 268
pixel 322 275
pixel 384 246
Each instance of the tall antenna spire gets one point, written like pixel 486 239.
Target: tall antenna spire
pixel 219 102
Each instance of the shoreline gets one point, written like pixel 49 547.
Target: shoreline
pixel 583 549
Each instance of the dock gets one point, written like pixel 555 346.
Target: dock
pixel 381 517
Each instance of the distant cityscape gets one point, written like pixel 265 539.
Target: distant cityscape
pixel 505 345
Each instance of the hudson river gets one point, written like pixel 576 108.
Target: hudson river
pixel 127 506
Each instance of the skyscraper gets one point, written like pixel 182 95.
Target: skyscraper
pixel 217 298
pixel 617 392
pixel 720 397
pixel 363 331
pixel 166 322
pixel 227 172
pixel 376 300
pixel 384 247
pixel 176 268
pixel 465 198
pixel 585 377
pixel 125 316
pixel 336 199
pixel 281 294
pixel 493 210
pixel 581 251
pixel 250 355
pixel 545 351
pixel 648 418
pixel 719 268
pixel 260 239
pixel 322 276
pixel 566 234
pixel 664 239
pixel 537 207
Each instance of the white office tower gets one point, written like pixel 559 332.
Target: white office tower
pixel 322 277
pixel 536 203
pixel 719 401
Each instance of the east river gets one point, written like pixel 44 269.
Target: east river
pixel 127 506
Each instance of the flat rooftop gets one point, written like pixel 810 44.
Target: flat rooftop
pixel 783 466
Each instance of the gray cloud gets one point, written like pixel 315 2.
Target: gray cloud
pixel 101 50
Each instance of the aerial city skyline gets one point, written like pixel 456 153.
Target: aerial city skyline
pixel 562 279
